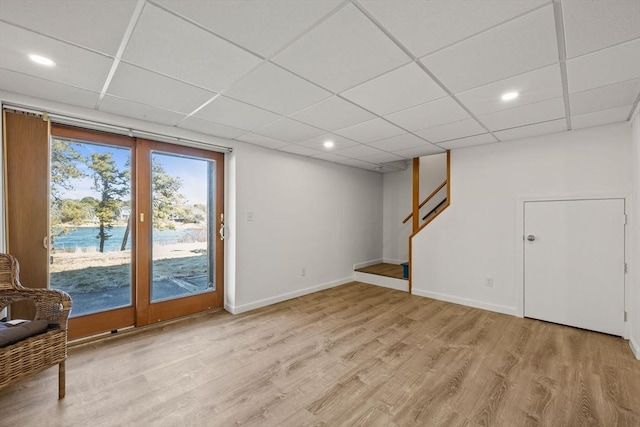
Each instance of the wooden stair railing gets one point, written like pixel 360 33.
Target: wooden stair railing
pixel 426 200
pixel 416 207
pixel 435 210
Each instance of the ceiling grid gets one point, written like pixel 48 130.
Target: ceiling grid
pixel 384 80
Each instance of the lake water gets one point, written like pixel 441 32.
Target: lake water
pixel 86 237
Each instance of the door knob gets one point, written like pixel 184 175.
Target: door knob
pixel 531 237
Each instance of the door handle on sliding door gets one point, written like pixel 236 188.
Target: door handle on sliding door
pixel 221 231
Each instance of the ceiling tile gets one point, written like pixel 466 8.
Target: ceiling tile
pixel 536 129
pixel 370 131
pixel 297 149
pixel 593 25
pixel 358 151
pixel 260 26
pixel 534 86
pixel 236 114
pixel 277 90
pixel 139 85
pixel 210 128
pixel 338 141
pixel 263 141
pixel 453 130
pixel 397 90
pixel 382 157
pixel 399 142
pixel 197 56
pixel 41 88
pixel 470 141
pixel 289 130
pixel 434 113
pixel 521 45
pixel 602 117
pixel 425 26
pixel 605 97
pixel 358 164
pixel 330 157
pixel 605 67
pixel 424 150
pixel 333 113
pixel 95 25
pixel 342 51
pixel 74 66
pixel 543 111
pixel 126 108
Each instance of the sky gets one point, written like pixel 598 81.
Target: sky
pixel 192 172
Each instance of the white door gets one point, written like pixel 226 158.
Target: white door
pixel 574 263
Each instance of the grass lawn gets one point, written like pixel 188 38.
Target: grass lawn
pixel 83 272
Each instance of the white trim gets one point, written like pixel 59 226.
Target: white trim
pixel 466 301
pixel 518 243
pixel 284 297
pixel 635 348
pixel 384 281
pixel 366 263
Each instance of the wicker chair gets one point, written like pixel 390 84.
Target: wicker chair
pixel 42 351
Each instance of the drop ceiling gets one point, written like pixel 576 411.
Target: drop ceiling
pixel 384 80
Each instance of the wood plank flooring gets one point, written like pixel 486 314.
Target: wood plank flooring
pixel 353 355
pixel 384 269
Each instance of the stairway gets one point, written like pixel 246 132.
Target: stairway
pixel 383 274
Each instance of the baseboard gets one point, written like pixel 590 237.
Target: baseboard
pixel 394 261
pixel 367 263
pixel 635 348
pixel 465 301
pixel 386 282
pixel 284 297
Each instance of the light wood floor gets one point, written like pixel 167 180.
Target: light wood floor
pixel 352 355
pixel 384 269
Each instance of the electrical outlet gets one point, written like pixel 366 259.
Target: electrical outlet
pixel 249 216
pixel 303 272
pixel 489 282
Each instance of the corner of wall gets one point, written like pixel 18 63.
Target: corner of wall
pixel 635 348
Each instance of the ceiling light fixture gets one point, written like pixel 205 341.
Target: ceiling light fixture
pixel 510 96
pixel 42 60
pixel 329 144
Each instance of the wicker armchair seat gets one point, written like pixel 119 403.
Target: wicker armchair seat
pixel 13 334
pixel 38 352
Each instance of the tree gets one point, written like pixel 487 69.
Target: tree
pixel 65 168
pixel 168 202
pixel 112 184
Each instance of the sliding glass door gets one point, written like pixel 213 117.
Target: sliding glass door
pixel 91 249
pixel 133 229
pixel 180 217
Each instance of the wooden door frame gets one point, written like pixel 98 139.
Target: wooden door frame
pixel 519 241
pixel 93 323
pixel 148 312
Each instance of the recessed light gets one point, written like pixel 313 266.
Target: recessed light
pixel 42 60
pixel 329 144
pixel 510 96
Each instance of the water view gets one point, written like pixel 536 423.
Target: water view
pixel 85 239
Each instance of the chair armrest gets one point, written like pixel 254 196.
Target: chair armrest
pixel 51 304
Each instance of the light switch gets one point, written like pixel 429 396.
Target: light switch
pixel 249 216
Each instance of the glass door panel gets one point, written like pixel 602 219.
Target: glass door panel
pixel 90 224
pixel 182 217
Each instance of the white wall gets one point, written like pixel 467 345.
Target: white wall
pixel 396 205
pixel 634 267
pixel 478 237
pixel 307 213
pixel 397 189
